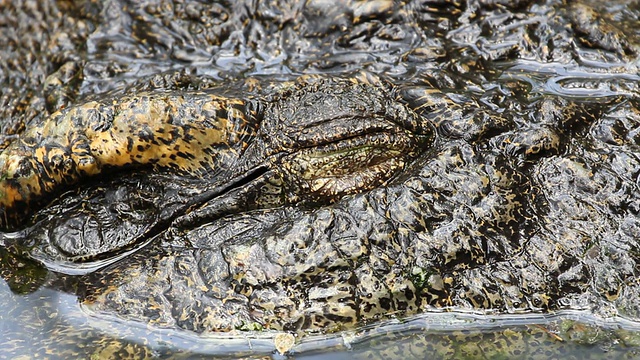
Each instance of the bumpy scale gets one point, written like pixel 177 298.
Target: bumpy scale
pixel 318 138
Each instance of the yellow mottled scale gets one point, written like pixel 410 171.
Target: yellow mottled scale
pixel 171 132
pixel 195 135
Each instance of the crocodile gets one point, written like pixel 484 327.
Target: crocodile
pixel 461 156
pixel 238 154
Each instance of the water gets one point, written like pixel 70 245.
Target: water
pixel 47 322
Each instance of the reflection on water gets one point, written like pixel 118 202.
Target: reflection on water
pixel 48 323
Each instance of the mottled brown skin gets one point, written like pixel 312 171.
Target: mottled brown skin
pixel 334 146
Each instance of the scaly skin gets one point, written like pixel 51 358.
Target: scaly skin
pixel 192 134
pixel 315 156
pixel 528 205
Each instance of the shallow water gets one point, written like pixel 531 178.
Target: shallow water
pixel 42 323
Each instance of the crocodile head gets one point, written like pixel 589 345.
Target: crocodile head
pixel 312 140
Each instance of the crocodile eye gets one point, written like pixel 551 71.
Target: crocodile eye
pixel 343 136
pixel 327 172
pixel 357 142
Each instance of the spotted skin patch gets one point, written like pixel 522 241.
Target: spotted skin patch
pixel 196 134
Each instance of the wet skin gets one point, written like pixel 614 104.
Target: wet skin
pixel 339 143
pixel 525 202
